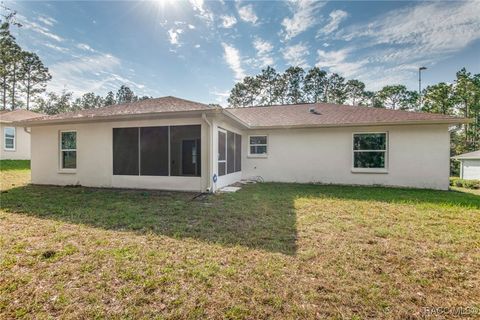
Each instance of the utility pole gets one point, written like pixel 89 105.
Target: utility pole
pixel 420 85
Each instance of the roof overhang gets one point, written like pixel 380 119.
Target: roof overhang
pixel 113 118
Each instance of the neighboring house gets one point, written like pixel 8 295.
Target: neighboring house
pixel 469 165
pixel 15 141
pixel 175 144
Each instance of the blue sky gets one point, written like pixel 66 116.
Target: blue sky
pixel 198 49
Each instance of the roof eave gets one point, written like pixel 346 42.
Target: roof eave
pixel 365 124
pixel 126 117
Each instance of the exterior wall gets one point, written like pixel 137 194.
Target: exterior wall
pixel 418 156
pixel 22 144
pixel 95 157
pixel 470 169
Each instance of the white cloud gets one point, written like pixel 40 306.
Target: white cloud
pixel 204 13
pixel 49 21
pixel 264 50
pixel 35 27
pixel 427 28
pixel 232 58
pixel 191 26
pixel 55 47
pixel 247 14
pixel 197 46
pixel 220 96
pixel 85 47
pixel 337 61
pixel 305 15
pixel 173 36
pixel 296 55
pixel 336 17
pixel 228 21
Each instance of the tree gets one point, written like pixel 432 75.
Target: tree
pixel 267 83
pixel 314 85
pixel 294 80
pixel 54 103
pixel 398 97
pixel 109 99
pixel 88 101
pixel 125 95
pixel 34 76
pixel 439 98
pixel 335 89
pixel 355 90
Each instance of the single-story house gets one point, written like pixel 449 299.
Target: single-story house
pixel 176 144
pixel 15 141
pixel 469 165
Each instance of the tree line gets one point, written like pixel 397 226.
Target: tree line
pixel 296 85
pixel 22 73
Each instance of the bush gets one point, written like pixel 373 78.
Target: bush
pixel 464 183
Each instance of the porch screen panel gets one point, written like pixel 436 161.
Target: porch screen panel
pixel 230 152
pixel 238 153
pixel 222 155
pixel 125 151
pixel 154 151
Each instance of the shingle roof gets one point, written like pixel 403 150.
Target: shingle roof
pixel 18 115
pixel 149 106
pixel 299 115
pixel 469 155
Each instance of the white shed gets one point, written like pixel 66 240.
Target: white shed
pixel 469 165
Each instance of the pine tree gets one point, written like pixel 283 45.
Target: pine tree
pixel 314 85
pixel 34 76
pixel 294 80
pixel 355 90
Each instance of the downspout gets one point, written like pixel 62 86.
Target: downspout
pixel 210 145
pixel 26 130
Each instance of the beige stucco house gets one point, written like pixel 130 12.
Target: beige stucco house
pixel 175 144
pixel 15 141
pixel 469 165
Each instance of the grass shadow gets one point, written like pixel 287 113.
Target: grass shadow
pixel 254 218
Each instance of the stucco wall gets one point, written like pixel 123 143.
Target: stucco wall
pixel 418 156
pixel 22 145
pixel 470 169
pixel 95 159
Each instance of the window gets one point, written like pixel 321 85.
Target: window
pixel 238 152
pixel 9 138
pixel 68 149
pixel 157 151
pixel 369 150
pixel 258 145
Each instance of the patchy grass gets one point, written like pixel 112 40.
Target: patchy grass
pixel 14 173
pixel 268 251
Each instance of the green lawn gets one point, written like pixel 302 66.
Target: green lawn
pixel 268 251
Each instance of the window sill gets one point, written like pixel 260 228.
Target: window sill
pixel 369 170
pixel 261 156
pixel 67 171
pixel 9 150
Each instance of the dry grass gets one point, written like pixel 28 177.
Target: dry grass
pixel 269 251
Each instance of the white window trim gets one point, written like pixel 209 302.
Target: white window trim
pixel 60 168
pixel 371 170
pixel 255 155
pixel 14 139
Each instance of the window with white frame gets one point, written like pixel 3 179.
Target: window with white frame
pixel 9 138
pixel 258 145
pixel 68 150
pixel 370 150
